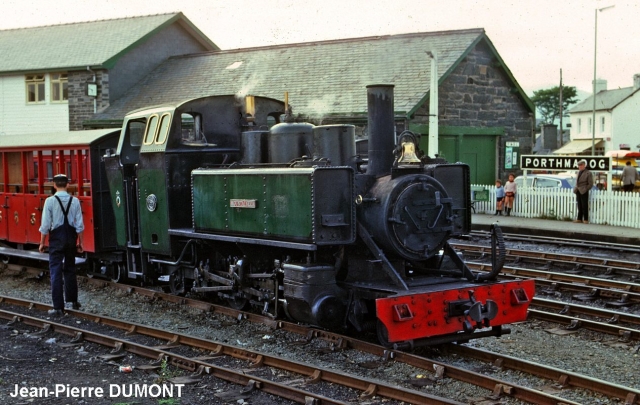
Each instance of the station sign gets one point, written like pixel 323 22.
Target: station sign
pixel 563 163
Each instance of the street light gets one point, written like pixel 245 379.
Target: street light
pixel 595 52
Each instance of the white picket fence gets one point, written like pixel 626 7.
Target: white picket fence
pixel 606 207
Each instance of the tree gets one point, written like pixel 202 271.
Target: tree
pixel 547 102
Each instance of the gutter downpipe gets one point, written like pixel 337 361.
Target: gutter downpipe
pixel 95 107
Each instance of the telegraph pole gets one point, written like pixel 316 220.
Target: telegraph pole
pixel 561 131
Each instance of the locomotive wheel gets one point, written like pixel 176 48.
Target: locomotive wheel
pixel 238 303
pixel 116 275
pixel 176 283
pixel 383 334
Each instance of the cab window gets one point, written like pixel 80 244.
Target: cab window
pixel 192 129
pixel 163 131
pixel 134 134
pixel 152 126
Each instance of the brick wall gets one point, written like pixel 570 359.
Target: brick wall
pixel 479 94
pixel 81 106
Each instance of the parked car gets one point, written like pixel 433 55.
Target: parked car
pixel 547 181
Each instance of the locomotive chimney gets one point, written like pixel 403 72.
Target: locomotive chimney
pixel 381 129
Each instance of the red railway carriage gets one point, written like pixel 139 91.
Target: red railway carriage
pixel 27 166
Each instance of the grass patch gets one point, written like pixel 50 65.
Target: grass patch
pixel 167 372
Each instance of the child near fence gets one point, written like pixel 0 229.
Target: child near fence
pixel 499 197
pixel 510 190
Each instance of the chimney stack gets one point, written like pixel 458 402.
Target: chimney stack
pixel 381 129
pixel 601 85
pixel 636 81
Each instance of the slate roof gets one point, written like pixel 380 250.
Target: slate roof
pixel 98 44
pixel 64 138
pixel 605 100
pixel 321 77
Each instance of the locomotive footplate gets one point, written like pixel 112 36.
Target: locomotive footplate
pixel 446 309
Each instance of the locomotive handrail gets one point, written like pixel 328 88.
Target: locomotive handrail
pixel 386 265
pixel 497 255
pixel 184 250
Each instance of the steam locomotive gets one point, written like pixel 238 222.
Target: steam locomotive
pixel 220 196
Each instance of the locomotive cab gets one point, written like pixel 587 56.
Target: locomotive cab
pixel 150 173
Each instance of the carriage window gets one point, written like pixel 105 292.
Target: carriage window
pixel 14 166
pixel 164 129
pixel 152 126
pixel 33 173
pixel 71 169
pixel 192 130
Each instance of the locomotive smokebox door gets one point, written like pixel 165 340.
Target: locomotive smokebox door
pixel 412 216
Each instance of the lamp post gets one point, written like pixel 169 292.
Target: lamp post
pixel 595 53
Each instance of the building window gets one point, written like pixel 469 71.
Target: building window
pixel 59 87
pixel 35 88
pixel 602 124
pixel 590 131
pixel 579 125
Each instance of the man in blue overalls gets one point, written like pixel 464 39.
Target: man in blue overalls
pixel 62 221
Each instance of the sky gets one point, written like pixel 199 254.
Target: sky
pixel 536 39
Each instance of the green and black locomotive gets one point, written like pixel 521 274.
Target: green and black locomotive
pixel 217 196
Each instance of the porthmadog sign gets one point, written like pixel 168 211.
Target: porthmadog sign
pixel 563 163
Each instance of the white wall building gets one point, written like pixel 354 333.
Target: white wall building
pixel 617 121
pixel 54 78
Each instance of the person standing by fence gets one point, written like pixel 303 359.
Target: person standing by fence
pixel 499 197
pixel 629 177
pixel 584 183
pixel 510 189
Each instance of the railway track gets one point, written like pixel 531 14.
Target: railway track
pixel 337 342
pixel 614 293
pixel 616 247
pixel 602 267
pixel 169 342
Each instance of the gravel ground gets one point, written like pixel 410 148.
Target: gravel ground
pixel 582 352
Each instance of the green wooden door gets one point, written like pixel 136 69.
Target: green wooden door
pixel 448 148
pixel 479 152
pixel 475 146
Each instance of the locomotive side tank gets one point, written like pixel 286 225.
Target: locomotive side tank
pixel 301 204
